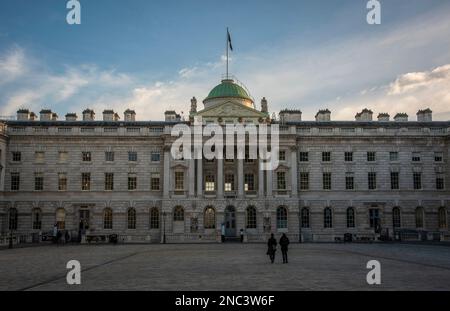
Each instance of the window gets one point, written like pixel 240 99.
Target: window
pixel 86 156
pixel 154 218
pixel 417 180
pixel 396 217
pixel 155 157
pixel 440 181
pixel 15 181
pixel 374 218
pixel 395 181
pixel 281 180
pixel 229 182
pixel 131 217
pixel 326 180
pixel 442 214
pixel 438 157
pixel 13 218
pixel 249 182
pixel 107 218
pixel 251 217
pixel 85 181
pixel 210 218
pixel 16 156
pixel 178 214
pixel 37 219
pixel 63 156
pixel 39 157
pixel 326 156
pixel 62 181
pixel 327 218
pixel 155 182
pixel 371 156
pixel 419 217
pixel 282 155
pixel 372 180
pixel 109 156
pixel 348 157
pixel 247 155
pixel 132 181
pixel 179 181
pixel 304 181
pixel 305 217
pixel 350 217
pixel 132 156
pixel 61 218
pixel 210 184
pixel 393 156
pixel 304 156
pixel 282 217
pixel 38 181
pixel 109 181
pixel 349 181
pixel 416 156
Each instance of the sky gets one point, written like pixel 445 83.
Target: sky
pixel 155 55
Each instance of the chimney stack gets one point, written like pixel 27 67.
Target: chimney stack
pixel 323 115
pixel 425 115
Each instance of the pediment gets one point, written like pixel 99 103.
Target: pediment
pixel 231 109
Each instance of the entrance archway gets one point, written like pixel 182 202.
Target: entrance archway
pixel 230 221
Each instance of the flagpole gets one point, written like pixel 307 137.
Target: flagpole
pixel 227 52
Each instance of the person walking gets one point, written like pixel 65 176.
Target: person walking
pixel 242 235
pixel 271 247
pixel 284 242
pixel 55 233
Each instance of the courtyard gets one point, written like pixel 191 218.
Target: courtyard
pixel 222 267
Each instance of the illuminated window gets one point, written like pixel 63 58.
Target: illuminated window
pixel 210 218
pixel 61 218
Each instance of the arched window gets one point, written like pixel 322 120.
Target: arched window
pixel 251 217
pixel 327 218
pixel 107 218
pixel 178 214
pixel 61 218
pixel 442 218
pixel 419 217
pixel 13 218
pixel 350 217
pixel 131 218
pixel 305 217
pixel 396 217
pixel 154 218
pixel 282 221
pixel 37 219
pixel 209 221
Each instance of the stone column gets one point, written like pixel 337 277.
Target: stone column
pixel 166 178
pixel 219 178
pixel 240 173
pixel 191 177
pixel 199 177
pixel 260 181
pixel 269 183
pixel 294 173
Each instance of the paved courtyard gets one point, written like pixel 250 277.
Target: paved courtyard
pixel 226 267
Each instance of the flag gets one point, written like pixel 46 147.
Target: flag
pixel 229 40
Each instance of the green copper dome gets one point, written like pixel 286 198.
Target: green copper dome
pixel 228 89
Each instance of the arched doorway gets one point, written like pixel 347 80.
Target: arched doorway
pixel 230 221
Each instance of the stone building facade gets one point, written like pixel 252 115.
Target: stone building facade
pixel 117 177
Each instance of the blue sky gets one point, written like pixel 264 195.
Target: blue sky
pixel 155 55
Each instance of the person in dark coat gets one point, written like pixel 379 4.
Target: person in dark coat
pixel 271 248
pixel 284 242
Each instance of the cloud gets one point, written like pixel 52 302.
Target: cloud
pixel 414 80
pixel 408 93
pixel 12 65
